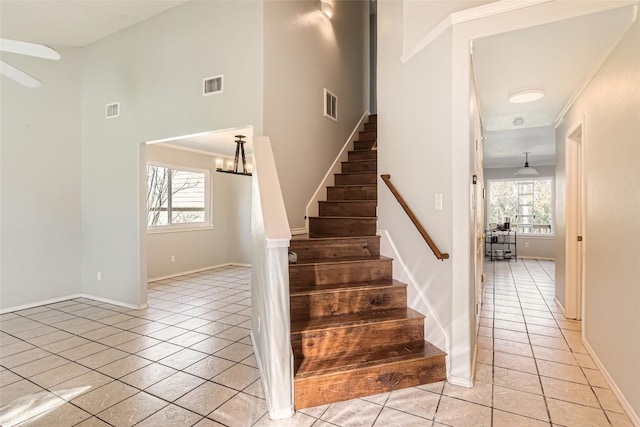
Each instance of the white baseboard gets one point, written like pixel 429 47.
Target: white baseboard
pixel 70 297
pixel 559 304
pixel 39 303
pixel 635 418
pixel 541 258
pixel 198 270
pixel 298 231
pixel 462 382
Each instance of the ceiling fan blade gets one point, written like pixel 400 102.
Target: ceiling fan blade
pixel 29 49
pixel 19 76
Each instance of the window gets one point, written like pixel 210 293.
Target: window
pixel 527 202
pixel 177 197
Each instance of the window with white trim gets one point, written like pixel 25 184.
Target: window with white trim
pixel 177 197
pixel 528 202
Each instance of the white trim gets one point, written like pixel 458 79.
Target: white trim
pixel 278 243
pixel 161 229
pixel 593 73
pixel 273 414
pixel 560 306
pixel 39 303
pixel 197 270
pixel 462 382
pixel 467 15
pixel 70 297
pixel 197 151
pixel 542 258
pixel 312 207
pixel 298 231
pixel 635 418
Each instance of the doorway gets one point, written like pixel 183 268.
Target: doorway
pixel 574 241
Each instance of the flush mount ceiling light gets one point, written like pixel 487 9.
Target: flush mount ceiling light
pixel 522 96
pixel 518 121
pixel 526 170
pixel 326 8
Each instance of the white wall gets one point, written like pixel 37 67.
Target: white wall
pixel 304 52
pixel 610 108
pixel 528 246
pixel 230 239
pixel 40 176
pixel 414 112
pixel 155 70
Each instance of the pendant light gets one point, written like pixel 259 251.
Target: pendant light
pixel 526 170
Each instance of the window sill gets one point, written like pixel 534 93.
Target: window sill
pixel 178 229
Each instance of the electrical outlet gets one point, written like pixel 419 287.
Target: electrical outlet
pixel 173 258
pixel 99 275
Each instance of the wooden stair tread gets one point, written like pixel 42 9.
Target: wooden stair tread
pixel 349 201
pixel 315 367
pixel 330 239
pixel 354 319
pixel 346 260
pixel 358 173
pixel 296 290
pixel 346 217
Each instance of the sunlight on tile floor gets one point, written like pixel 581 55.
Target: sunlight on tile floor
pixel 187 360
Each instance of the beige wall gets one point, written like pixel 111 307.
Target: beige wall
pixel 155 70
pixel 610 108
pixel 304 52
pixel 230 239
pixel 40 181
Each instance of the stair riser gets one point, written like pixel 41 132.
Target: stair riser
pixel 368 337
pixel 310 392
pixel 364 208
pixel 367 136
pixel 341 227
pixel 345 272
pixel 369 192
pixel 356 178
pixel 363 166
pixel 370 127
pixel 363 145
pixel 373 119
pixel 362 155
pixel 307 249
pixel 360 300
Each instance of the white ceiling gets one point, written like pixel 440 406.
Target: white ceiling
pixel 559 58
pixel 220 143
pixel 74 22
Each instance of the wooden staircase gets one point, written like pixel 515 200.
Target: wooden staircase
pixel 351 330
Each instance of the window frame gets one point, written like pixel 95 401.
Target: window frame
pixel 520 179
pixel 207 224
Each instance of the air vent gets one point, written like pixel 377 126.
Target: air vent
pixel 330 105
pixel 212 85
pixel 112 110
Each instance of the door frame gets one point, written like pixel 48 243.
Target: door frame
pixel 574 249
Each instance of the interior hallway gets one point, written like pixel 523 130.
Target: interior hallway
pixel 187 360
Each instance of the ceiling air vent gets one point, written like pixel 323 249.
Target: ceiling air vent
pixel 330 105
pixel 212 85
pixel 112 110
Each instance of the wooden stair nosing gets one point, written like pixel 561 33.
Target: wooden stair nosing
pixel 332 261
pixel 344 287
pixel 344 321
pixel 308 368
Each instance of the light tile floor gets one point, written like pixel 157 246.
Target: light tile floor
pixel 187 360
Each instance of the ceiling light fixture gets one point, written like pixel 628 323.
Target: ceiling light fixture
pixel 326 8
pixel 232 166
pixel 518 121
pixel 522 96
pixel 526 170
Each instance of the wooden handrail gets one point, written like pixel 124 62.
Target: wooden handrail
pixel 441 256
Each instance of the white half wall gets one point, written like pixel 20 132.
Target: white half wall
pixel 155 70
pixel 40 181
pixel 229 241
pixel 304 53
pixel 610 109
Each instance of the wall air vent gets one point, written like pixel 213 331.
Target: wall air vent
pixel 112 110
pixel 330 105
pixel 212 85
